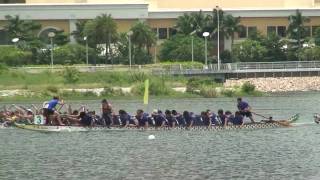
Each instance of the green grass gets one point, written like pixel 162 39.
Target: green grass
pixel 46 84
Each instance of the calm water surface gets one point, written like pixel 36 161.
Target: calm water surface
pixel 292 153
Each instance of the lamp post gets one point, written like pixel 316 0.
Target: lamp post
pixel 87 51
pixel 192 49
pixel 205 35
pixel 14 41
pixel 129 39
pixel 218 29
pixel 51 35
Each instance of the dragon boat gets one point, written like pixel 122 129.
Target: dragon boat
pixel 259 125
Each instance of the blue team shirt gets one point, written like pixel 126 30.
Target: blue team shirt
pixel 124 118
pixel 52 104
pixel 237 120
pixel 222 119
pixel 214 119
pixel 143 119
pixel 159 119
pixel 243 105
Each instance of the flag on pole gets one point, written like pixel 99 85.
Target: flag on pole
pixel 146 92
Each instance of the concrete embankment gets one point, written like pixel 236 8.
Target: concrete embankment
pixel 284 84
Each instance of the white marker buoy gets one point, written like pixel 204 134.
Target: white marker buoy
pixel 150 137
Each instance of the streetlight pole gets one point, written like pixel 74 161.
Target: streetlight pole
pixel 129 39
pixel 205 35
pixel 192 55
pixel 218 54
pixel 51 35
pixel 192 49
pixel 87 50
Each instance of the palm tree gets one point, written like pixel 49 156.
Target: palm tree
pixel 231 25
pixel 185 24
pixel 296 29
pixel 196 21
pixel 79 33
pixel 102 30
pixel 22 29
pixel 143 36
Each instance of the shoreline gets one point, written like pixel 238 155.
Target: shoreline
pixel 283 84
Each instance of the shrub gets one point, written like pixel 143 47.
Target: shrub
pixel 179 48
pixel 157 87
pixel 197 83
pixel 247 87
pixel 208 92
pixel 3 68
pixel 71 75
pixel 72 54
pixel 52 89
pixel 228 93
pixel 12 56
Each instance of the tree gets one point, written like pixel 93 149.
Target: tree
pixel 317 37
pixel 142 39
pixel 296 29
pixel 179 48
pixel 79 33
pixel 249 51
pixel 231 25
pixel 143 36
pixel 25 30
pixel 102 30
pixel 185 24
pixel 195 21
pixel 274 46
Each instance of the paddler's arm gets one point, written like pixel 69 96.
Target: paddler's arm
pixel 163 123
pixel 146 125
pixel 127 124
pixel 225 122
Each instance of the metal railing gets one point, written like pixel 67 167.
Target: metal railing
pixel 187 69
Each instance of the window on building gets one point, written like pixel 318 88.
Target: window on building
pixel 282 31
pixel 307 31
pixel 172 32
pixel 314 29
pixel 242 32
pixel 271 30
pixel 252 30
pixel 163 33
pixel 4 37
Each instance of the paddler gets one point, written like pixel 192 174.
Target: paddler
pixel 159 118
pixel 125 118
pixel 141 119
pixel 50 110
pixel 187 116
pixel 107 111
pixel 244 109
pixel 172 122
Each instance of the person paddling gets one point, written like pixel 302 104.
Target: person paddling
pixel 50 110
pixel 244 109
pixel 107 111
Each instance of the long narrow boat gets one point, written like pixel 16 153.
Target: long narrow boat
pixel 261 125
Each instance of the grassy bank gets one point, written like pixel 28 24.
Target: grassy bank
pixel 44 85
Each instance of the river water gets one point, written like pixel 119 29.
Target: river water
pixel 285 153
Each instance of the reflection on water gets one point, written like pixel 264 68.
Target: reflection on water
pixel 289 153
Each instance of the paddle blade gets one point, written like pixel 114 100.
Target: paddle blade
pixel 294 118
pixel 146 92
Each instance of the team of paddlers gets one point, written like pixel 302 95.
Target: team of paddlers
pixel 108 118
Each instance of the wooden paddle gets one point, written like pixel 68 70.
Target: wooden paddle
pixel 287 124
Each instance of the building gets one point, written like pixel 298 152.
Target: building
pixel 264 16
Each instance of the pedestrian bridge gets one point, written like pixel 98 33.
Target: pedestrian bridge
pixel 249 70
